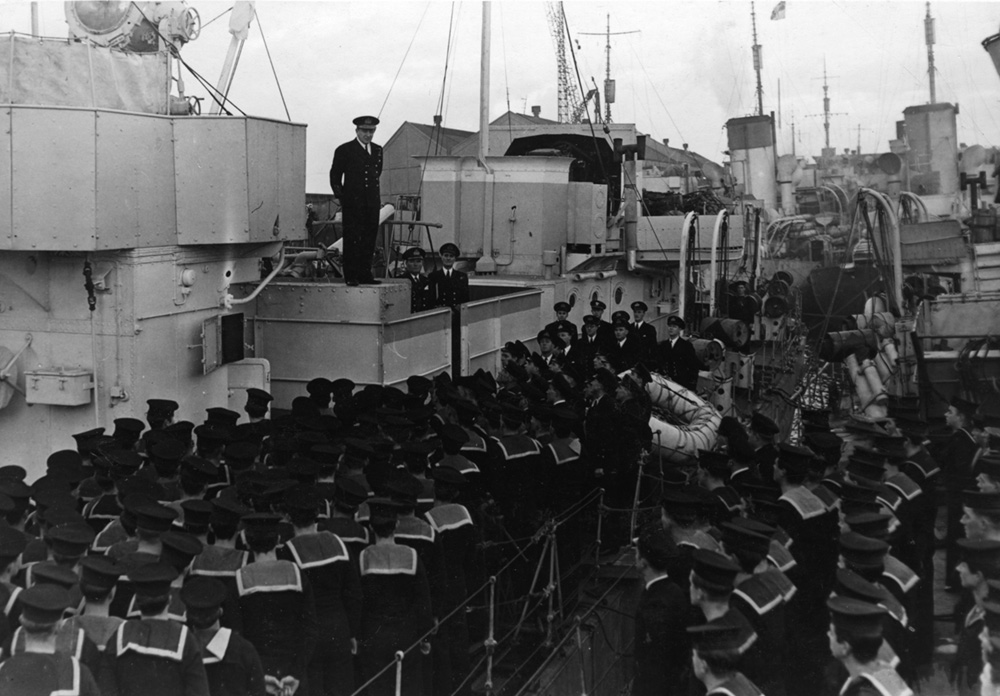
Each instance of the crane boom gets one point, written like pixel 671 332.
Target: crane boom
pixel 567 94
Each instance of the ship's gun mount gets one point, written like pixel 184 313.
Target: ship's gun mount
pixel 138 27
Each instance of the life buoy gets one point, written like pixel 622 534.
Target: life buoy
pixel 679 443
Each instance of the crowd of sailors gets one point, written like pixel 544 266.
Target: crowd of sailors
pixel 300 553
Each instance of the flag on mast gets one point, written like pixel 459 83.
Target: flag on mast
pixel 779 11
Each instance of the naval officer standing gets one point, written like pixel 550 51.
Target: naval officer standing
pixel 357 166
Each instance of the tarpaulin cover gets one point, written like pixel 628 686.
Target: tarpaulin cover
pixel 53 72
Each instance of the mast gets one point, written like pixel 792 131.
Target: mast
pixel 484 89
pixel 609 84
pixel 826 105
pixel 757 62
pixel 929 40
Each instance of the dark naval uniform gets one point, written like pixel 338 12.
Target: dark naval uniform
pixel 662 651
pixel 155 657
pixel 397 611
pixel 646 334
pixel 448 288
pixel 352 533
pixel 679 362
pixel 99 629
pixel 70 640
pixel 279 616
pixel 325 560
pixel 232 665
pixel 37 674
pixel 761 601
pixel 420 291
pixel 460 541
pixel 354 178
pixel 223 564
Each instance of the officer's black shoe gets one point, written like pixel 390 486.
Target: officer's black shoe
pixel 352 283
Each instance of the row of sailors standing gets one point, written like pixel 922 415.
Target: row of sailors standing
pixel 269 585
pixel 818 559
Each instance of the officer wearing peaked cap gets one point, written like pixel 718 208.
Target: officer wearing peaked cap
pixel 448 286
pixel 676 357
pixel 354 178
pixel 642 330
pixel 604 331
pixel 40 668
pixel 562 322
pixel 420 292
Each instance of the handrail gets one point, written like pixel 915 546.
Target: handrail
pixel 542 533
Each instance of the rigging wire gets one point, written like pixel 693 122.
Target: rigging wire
pixel 403 62
pixel 205 25
pixel 658 97
pixel 274 72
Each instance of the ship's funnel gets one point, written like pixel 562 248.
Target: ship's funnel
pixel 992 46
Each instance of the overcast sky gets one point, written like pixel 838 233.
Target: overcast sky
pixel 686 71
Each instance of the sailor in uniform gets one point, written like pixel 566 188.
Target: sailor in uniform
pixel 232 665
pixel 661 619
pixel 712 579
pixel 715 656
pixel 153 655
pixel 461 543
pixel 812 528
pixel 98 577
pixel 676 357
pixel 41 668
pixel 855 636
pixel 449 287
pixel 957 457
pixel 713 475
pixel 276 604
pixel 323 558
pixel 397 606
pixel 980 561
pixel 760 599
pixel 347 497
pixel 420 291
pixel 354 178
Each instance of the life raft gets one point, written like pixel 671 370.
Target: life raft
pixel 699 427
